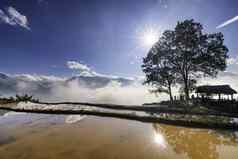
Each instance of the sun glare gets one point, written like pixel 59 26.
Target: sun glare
pixel 159 139
pixel 148 37
pixel 144 37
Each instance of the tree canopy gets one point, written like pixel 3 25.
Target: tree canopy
pixel 183 55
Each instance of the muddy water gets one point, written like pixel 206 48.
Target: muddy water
pixel 28 136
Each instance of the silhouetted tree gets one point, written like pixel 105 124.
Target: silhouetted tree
pixel 24 98
pixel 190 53
pixel 159 72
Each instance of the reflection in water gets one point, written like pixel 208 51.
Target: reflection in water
pixel 74 118
pixel 196 143
pixel 160 140
pixel 107 138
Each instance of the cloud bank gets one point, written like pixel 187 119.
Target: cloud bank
pixel 78 88
pixel 12 17
pixel 113 92
pixel 94 87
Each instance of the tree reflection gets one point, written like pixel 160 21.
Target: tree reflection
pixel 196 143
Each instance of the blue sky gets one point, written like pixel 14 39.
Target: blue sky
pixel 41 36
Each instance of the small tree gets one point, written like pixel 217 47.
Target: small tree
pixel 24 98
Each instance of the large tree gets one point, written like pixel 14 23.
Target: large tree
pixel 158 70
pixel 190 53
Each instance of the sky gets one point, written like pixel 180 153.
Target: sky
pixel 61 37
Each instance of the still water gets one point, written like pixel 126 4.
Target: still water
pixel 31 136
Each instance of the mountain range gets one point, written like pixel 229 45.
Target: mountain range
pixel 40 84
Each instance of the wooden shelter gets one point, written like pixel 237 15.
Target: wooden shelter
pixel 215 90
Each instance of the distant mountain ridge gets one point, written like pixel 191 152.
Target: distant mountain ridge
pixel 38 84
pixel 98 81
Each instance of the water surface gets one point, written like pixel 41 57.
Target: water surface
pixel 24 136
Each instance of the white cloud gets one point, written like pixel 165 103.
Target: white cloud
pixel 232 61
pixel 3 17
pixel 85 70
pixel 12 17
pixel 232 20
pixel 77 66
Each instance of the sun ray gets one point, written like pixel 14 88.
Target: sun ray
pixel 148 36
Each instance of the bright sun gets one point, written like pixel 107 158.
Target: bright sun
pixel 144 37
pixel 148 37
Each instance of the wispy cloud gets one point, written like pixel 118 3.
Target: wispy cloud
pixel 75 65
pixel 232 20
pixel 83 69
pixel 14 18
pixel 44 2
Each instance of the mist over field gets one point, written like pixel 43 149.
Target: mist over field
pixel 98 89
pixel 78 88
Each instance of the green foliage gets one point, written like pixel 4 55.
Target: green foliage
pixel 159 72
pixel 18 98
pixel 183 55
pixel 7 100
pixel 26 98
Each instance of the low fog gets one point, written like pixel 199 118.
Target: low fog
pixel 111 93
pixel 101 90
pixel 135 93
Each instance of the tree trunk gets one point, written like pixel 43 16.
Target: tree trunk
pixel 170 94
pixel 186 89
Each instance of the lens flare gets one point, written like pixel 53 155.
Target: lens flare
pixel 148 37
pixel 144 38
